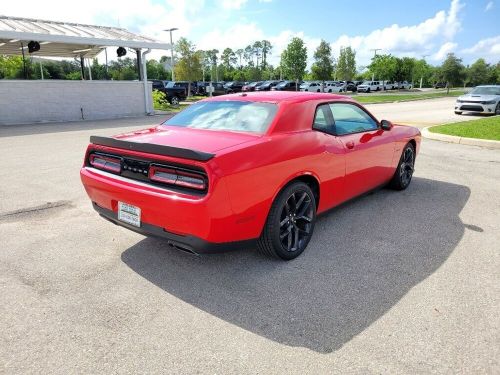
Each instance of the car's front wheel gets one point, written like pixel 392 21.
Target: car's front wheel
pixel 404 172
pixel 290 223
pixel 175 100
pixel 497 109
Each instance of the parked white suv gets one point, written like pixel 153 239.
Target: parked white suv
pixel 368 86
pixel 311 87
pixel 405 85
pixel 390 85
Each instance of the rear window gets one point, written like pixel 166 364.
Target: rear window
pixel 227 115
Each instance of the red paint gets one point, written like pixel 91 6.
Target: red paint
pixel 249 170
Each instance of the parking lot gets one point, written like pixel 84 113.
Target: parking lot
pixel 393 282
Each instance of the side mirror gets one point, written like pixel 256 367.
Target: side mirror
pixel 386 125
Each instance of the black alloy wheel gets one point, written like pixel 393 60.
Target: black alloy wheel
pixel 290 224
pixel 404 171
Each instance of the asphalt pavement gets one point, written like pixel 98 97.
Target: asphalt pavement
pixel 393 282
pixel 419 113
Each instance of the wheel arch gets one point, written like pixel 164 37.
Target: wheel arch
pixel 308 178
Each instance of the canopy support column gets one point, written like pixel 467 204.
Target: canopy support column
pixel 82 67
pixel 139 64
pixel 145 81
pixel 90 69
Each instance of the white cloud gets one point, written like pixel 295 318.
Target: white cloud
pixel 488 48
pixel 413 40
pixel 489 6
pixel 433 36
pixel 233 4
pixel 444 50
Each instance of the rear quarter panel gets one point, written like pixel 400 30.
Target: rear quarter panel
pixel 254 175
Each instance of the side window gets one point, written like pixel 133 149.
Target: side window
pixel 322 119
pixel 349 118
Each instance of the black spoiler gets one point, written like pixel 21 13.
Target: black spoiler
pixel 178 152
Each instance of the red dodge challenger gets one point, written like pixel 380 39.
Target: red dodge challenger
pixel 246 170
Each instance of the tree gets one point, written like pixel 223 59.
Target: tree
pixel 294 59
pixel 322 69
pixel 346 65
pixel 479 73
pixel 248 54
pixel 188 66
pixel 266 50
pixel 452 70
pixel 239 52
pixel 383 67
pixel 494 75
pixel 228 58
pixel 422 72
pixel 257 50
pixel 211 57
pixel 404 69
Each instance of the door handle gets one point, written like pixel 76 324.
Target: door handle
pixel 350 145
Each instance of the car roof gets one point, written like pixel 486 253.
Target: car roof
pixel 278 96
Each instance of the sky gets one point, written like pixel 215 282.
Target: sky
pixel 416 28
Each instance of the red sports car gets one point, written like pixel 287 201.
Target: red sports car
pixel 246 169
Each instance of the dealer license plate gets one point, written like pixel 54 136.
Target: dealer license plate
pixel 129 214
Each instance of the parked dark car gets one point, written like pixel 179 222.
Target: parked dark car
pixel 174 92
pixel 218 88
pixel 266 85
pixel 234 86
pixel 439 85
pixel 286 86
pixel 199 88
pixel 251 86
pixel 351 86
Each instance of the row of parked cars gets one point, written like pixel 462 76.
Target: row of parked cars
pixel 178 90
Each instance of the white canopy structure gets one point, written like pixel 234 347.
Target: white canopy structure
pixel 33 37
pixel 64 39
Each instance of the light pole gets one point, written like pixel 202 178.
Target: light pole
pixel 375 55
pixel 172 51
pixel 422 77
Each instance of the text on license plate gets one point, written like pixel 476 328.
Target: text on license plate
pixel 129 214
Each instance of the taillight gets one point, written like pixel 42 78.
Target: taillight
pixel 177 177
pixel 107 163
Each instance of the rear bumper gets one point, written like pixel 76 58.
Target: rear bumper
pixel 203 221
pixel 189 243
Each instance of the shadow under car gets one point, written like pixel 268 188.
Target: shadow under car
pixel 363 258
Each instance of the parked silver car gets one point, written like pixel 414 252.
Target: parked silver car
pixel 482 99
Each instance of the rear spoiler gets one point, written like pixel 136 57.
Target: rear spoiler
pixel 152 148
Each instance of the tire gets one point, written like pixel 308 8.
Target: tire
pixel 174 100
pixel 404 171
pixel 458 112
pixel 497 109
pixel 290 223
pixel 368 90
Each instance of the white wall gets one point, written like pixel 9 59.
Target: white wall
pixel 23 102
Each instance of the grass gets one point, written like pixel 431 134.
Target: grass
pixel 169 108
pixel 389 98
pixel 484 128
pixel 195 98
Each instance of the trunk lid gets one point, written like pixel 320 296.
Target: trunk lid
pixel 209 141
